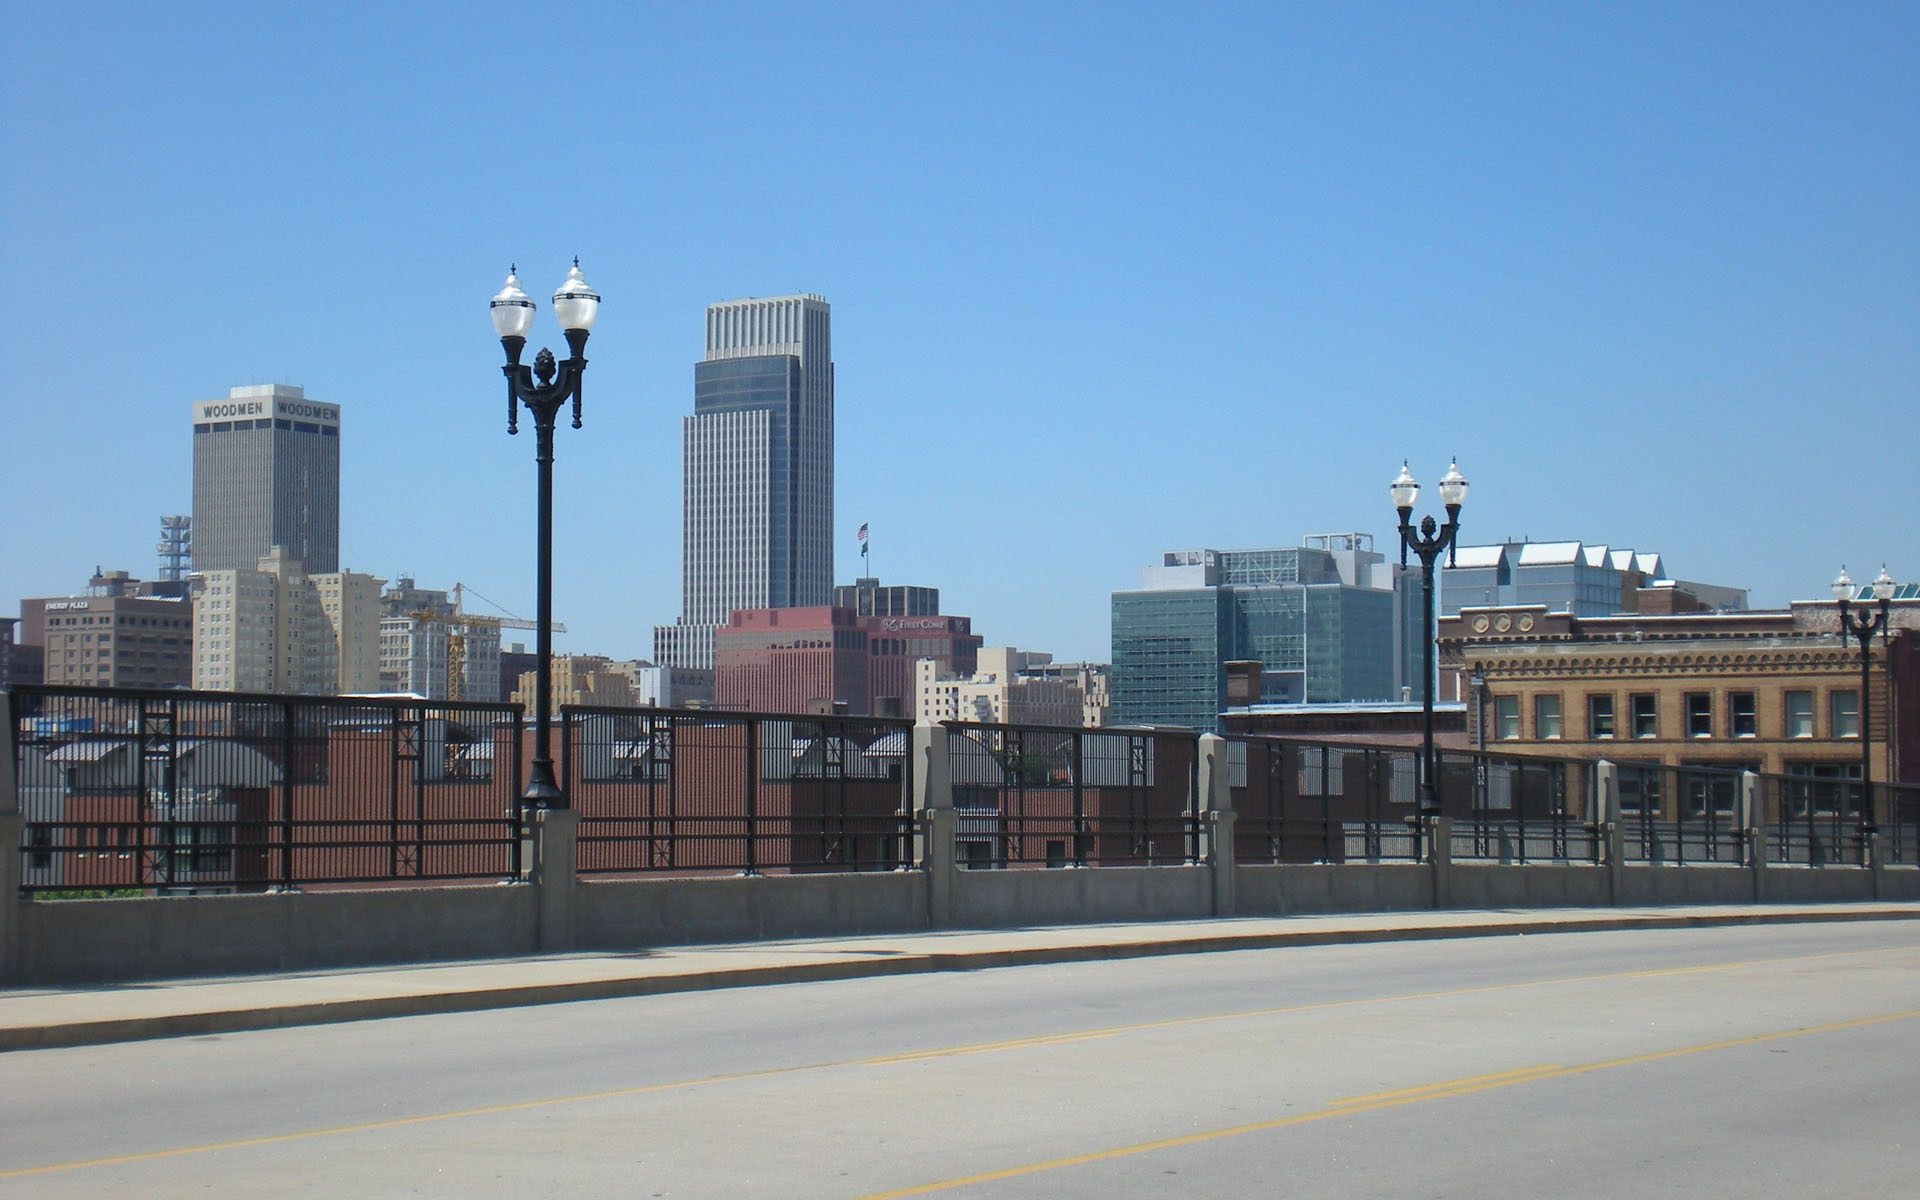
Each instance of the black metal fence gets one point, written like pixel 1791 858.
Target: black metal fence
pixel 1681 816
pixel 184 792
pixel 1054 796
pixel 1816 821
pixel 679 791
pixel 1330 802
pixel 130 791
pixel 1321 802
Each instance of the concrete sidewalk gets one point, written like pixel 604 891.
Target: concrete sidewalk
pixel 40 1018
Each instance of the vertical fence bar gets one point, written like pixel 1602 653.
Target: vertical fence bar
pixel 753 811
pixel 512 808
pixel 1079 803
pixel 287 771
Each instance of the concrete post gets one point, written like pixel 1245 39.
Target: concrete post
pixel 1440 860
pixel 1753 830
pixel 1216 812
pixel 12 826
pixel 933 800
pixel 556 875
pixel 1606 826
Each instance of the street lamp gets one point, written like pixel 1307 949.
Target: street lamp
pixel 574 305
pixel 1863 625
pixel 1428 544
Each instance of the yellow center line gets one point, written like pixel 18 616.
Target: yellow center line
pixel 1323 1005
pixel 1386 1100
pixel 1425 1089
pixel 274 1139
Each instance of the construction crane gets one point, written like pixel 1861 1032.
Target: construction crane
pixel 458 621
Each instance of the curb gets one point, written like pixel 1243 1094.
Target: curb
pixel 240 1020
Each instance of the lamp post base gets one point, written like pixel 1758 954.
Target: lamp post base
pixel 543 791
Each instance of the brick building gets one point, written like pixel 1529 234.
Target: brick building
pixel 798 660
pixel 123 633
pixel 1776 692
pixel 792 660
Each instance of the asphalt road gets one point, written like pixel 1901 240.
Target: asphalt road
pixel 1755 1062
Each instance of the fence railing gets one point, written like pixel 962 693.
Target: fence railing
pixel 679 791
pixel 176 792
pixel 127 790
pixel 1330 802
pixel 1051 796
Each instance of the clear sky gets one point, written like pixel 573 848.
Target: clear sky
pixel 1107 279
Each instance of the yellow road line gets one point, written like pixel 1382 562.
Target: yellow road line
pixel 1501 1077
pixel 1385 1100
pixel 917 1056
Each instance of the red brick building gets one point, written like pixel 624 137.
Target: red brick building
pixel 791 660
pixel 806 660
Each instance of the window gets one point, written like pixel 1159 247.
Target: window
pixel 1821 789
pixel 1800 714
pixel 1506 717
pixel 1639 786
pixel 1716 789
pixel 1600 717
pixel 1645 716
pixel 1699 714
pixel 1743 723
pixel 1546 717
pixel 1844 713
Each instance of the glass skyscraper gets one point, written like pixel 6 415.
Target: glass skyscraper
pixel 1323 629
pixel 266 473
pixel 757 471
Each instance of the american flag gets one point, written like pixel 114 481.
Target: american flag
pixel 861 537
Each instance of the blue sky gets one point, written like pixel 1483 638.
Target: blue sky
pixel 1107 279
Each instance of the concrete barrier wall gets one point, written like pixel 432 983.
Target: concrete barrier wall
pixel 1269 890
pixel 82 941
pixel 1000 899
pixel 1701 884
pixel 666 912
pixel 1546 885
pixel 92 941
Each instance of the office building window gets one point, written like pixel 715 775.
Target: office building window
pixel 1546 717
pixel 1743 721
pixel 1599 717
pixel 1699 714
pixel 1506 717
pixel 1800 714
pixel 1645 716
pixel 1844 706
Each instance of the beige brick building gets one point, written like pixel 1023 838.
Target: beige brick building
pixel 1776 692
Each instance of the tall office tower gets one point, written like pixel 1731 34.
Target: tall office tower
pixel 757 463
pixel 266 473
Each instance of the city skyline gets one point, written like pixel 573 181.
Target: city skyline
pixel 1196 278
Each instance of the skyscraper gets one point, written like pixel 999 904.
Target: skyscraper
pixel 266 473
pixel 757 471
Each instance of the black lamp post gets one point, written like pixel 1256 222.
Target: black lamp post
pixel 1863 625
pixel 574 305
pixel 1428 544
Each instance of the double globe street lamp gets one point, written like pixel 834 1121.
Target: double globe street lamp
pixel 575 305
pixel 1428 543
pixel 1862 625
